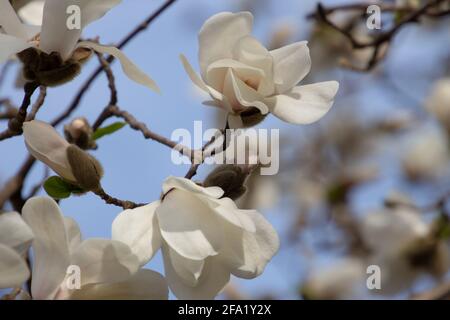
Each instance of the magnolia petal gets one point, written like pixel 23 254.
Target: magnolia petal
pixel 250 51
pixel 32 12
pixel 138 228
pixel 56 36
pixel 199 81
pixel 190 186
pixel 227 209
pixel 188 225
pixel 305 104
pixel 247 253
pixel 10 45
pixel 291 64
pixel 14 232
pixel 13 268
pixel 188 270
pixel 219 34
pixel 235 121
pixel 10 22
pixel 46 145
pixel 51 249
pixel 73 233
pixel 144 285
pixel 103 260
pixel 214 278
pixel 217 72
pixel 241 96
pixel 129 68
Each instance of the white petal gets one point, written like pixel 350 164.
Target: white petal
pixel 144 285
pixel 217 72
pixel 199 81
pixel 227 209
pixel 219 34
pixel 188 225
pixel 188 270
pixel 32 12
pixel 73 233
pixel 247 253
pixel 10 22
pixel 14 232
pixel 305 104
pixel 291 64
pixel 214 278
pixel 251 52
pixel 56 36
pixel 103 260
pixel 129 68
pixel 138 228
pixel 241 96
pixel 46 145
pixel 13 268
pixel 10 45
pixel 51 249
pixel 189 185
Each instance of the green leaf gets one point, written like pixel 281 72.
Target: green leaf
pixel 100 132
pixel 57 188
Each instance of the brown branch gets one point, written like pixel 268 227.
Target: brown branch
pixel 38 103
pixel 141 27
pixel 15 124
pixel 381 40
pixel 117 202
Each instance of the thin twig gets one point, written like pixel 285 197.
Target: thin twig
pixel 15 124
pixel 141 27
pixel 381 41
pixel 117 202
pixel 38 103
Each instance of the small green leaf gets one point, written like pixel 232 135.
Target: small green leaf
pixel 100 132
pixel 57 188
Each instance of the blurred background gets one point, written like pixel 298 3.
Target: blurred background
pixel 355 189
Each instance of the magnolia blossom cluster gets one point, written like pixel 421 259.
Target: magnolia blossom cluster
pixel 203 236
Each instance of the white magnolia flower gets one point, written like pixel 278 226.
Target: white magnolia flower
pixel 45 144
pixel 438 102
pixel 55 36
pixel 204 238
pixel 29 11
pixel 426 154
pixel 108 268
pixel 343 279
pixel 15 239
pixel 397 239
pixel 242 76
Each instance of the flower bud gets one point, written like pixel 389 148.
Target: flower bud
pixel 252 117
pixel 80 132
pixel 48 69
pixel 87 170
pixel 230 178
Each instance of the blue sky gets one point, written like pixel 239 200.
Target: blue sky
pixel 135 167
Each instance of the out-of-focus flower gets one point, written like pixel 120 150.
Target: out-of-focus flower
pixel 108 268
pixel 402 245
pixel 204 238
pixel 343 279
pixel 80 132
pixel 426 155
pixel 54 56
pixel 67 160
pixel 15 239
pixel 245 79
pixel 438 102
